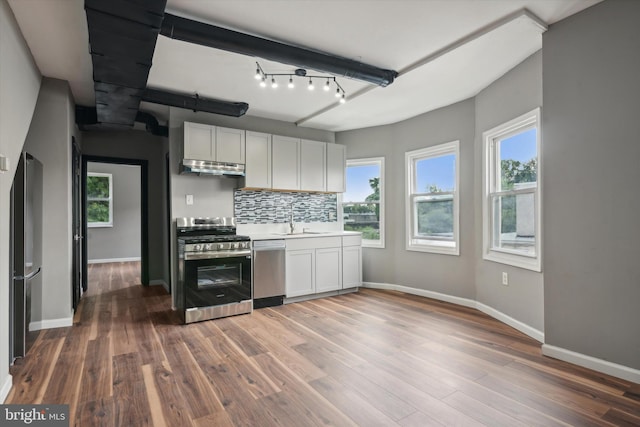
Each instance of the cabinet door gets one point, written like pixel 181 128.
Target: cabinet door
pixel 285 166
pixel 351 266
pixel 230 146
pixel 313 165
pixel 328 269
pixel 300 272
pixel 336 167
pixel 258 160
pixel 199 141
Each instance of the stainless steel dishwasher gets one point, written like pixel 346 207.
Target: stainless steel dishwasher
pixel 268 273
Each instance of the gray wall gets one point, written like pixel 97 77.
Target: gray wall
pixel 451 275
pixel 122 240
pixel 49 140
pixel 19 86
pixel 141 145
pixel 517 92
pixel 591 68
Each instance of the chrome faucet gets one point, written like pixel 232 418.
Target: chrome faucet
pixel 292 224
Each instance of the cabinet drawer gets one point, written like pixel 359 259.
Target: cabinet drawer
pixel 313 243
pixel 352 240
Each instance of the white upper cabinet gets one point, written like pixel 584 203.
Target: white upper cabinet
pixel 199 141
pixel 285 163
pixel 218 144
pixel 230 145
pixel 313 165
pixel 258 160
pixel 336 168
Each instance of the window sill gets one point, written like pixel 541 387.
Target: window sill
pixel 372 244
pixel 100 225
pixel 435 247
pixel 520 261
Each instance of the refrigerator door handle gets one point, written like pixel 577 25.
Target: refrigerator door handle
pixel 28 276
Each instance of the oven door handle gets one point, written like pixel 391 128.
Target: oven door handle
pixel 216 254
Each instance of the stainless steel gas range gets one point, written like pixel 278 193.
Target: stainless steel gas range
pixel 214 269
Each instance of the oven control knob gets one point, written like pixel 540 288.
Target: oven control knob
pixel 207 247
pixel 197 247
pixel 220 245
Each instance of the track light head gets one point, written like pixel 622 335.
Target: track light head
pixel 291 85
pixel 343 99
pixel 327 86
pixel 310 87
pixel 274 84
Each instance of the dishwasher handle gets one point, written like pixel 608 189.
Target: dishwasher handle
pixel 269 245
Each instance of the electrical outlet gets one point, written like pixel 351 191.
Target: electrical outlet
pixel 189 199
pixel 505 278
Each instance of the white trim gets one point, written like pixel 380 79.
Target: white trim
pixel 594 363
pixel 6 388
pixel 50 324
pixel 488 184
pixel 514 323
pixel 378 161
pixel 108 260
pixel 465 302
pixel 426 245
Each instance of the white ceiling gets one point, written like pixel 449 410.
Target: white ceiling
pixel 445 51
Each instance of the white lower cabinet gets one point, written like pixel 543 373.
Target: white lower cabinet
pixel 328 269
pixel 314 265
pixel 300 272
pixel 351 261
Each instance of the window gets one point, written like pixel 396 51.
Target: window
pixel 363 202
pixel 99 200
pixel 511 205
pixel 432 176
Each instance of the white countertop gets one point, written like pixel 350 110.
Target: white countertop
pixel 301 235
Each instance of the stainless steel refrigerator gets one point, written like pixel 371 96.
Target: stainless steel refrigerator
pixel 26 250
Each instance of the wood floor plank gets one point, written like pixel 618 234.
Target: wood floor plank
pixel 96 413
pixel 367 358
pixel 131 403
pixel 96 375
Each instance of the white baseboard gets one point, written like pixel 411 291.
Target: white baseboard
pixel 6 388
pixel 50 324
pixel 590 362
pixel 514 323
pixel 465 302
pixel 107 260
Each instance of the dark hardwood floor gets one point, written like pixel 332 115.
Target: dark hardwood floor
pixel 372 358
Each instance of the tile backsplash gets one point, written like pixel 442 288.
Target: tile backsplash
pixel 268 207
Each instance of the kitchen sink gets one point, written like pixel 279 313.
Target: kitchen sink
pixel 302 234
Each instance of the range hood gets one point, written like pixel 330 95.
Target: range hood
pixel 204 167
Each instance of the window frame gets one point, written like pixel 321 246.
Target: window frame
pixel 491 178
pixel 102 199
pixel 378 161
pixel 412 242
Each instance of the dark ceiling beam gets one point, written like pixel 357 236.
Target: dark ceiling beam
pixel 195 103
pixel 196 32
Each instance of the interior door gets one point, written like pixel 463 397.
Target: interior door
pixel 78 266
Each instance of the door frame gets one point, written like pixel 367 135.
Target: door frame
pixel 144 209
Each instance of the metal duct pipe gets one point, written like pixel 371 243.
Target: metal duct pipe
pixel 196 32
pixel 195 103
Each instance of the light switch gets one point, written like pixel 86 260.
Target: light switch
pixel 4 163
pixel 189 199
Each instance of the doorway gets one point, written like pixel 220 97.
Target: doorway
pixel 96 166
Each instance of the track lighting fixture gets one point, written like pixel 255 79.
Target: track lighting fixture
pixel 262 76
